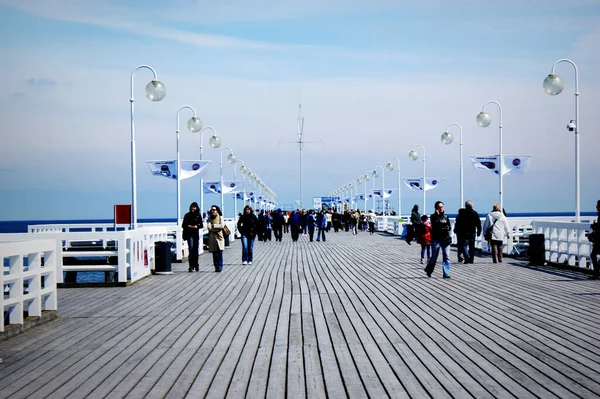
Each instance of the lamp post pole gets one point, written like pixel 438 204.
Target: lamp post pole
pixel 484 120
pixel 553 85
pixel 243 171
pixel 390 167
pixel 231 159
pixel 155 91
pixel 382 187
pixel 414 156
pixel 447 139
pixel 194 125
pixel 214 142
pixel 373 174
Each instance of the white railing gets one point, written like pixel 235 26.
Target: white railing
pixel 565 242
pixel 134 249
pixel 30 288
pixel 521 228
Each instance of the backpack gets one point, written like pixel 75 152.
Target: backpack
pixel 488 232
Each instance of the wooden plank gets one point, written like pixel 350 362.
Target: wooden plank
pixel 352 317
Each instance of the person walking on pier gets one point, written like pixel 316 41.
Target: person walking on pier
pixel 467 227
pixel 497 222
pixel 415 220
pixel 295 226
pixel 216 240
pixel 278 223
pixel 371 219
pixel 423 234
pixel 310 224
pixel 247 226
pixel 594 238
pixel 321 225
pixel 192 223
pixel 440 240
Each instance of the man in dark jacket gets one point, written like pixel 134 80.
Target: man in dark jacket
pixel 440 239
pixel 466 228
pixel 278 223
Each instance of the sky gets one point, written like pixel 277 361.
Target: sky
pixel 374 78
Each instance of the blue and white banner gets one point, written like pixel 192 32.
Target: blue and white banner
pixel 387 194
pixel 229 187
pixel 513 164
pixel 417 183
pixel 168 168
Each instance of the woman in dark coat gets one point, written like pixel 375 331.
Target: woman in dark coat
pixel 192 224
pixel 415 220
pixel 247 225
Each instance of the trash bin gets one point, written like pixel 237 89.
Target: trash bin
pixel 162 257
pixel 537 250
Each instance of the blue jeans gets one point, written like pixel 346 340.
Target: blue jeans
pixel 435 250
pixel 247 248
pixel 320 233
pixel 218 260
pixel 193 248
pixel 425 247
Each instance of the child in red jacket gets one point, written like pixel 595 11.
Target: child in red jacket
pixel 424 237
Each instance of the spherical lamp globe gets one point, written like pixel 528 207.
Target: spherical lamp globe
pixel 231 159
pixel 483 119
pixel 389 166
pixel 214 142
pixel 194 124
pixel 155 90
pixel 553 84
pixel 447 138
pixel 413 156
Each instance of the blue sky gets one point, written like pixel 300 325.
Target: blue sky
pixel 374 78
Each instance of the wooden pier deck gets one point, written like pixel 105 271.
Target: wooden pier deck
pixel 355 316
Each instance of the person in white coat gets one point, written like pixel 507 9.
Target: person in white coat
pixel 497 222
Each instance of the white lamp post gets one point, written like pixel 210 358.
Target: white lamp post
pixel 447 139
pixel 484 119
pixel 155 91
pixel 375 175
pixel 553 85
pixel 243 170
pixel 389 166
pixel 231 159
pixel 214 142
pixel 194 125
pixel 413 156
pixel 366 177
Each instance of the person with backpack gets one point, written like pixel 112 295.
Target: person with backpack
pixel 495 230
pixel 466 228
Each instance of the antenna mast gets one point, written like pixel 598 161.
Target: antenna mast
pixel 300 142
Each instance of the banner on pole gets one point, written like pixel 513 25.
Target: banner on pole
pixel 417 183
pixel 229 187
pixel 168 168
pixel 513 164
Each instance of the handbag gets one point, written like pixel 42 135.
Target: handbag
pixel 488 232
pixel 226 230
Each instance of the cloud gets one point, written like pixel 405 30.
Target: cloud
pixel 41 83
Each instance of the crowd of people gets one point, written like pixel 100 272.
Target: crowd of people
pixel 264 226
pixel 433 233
